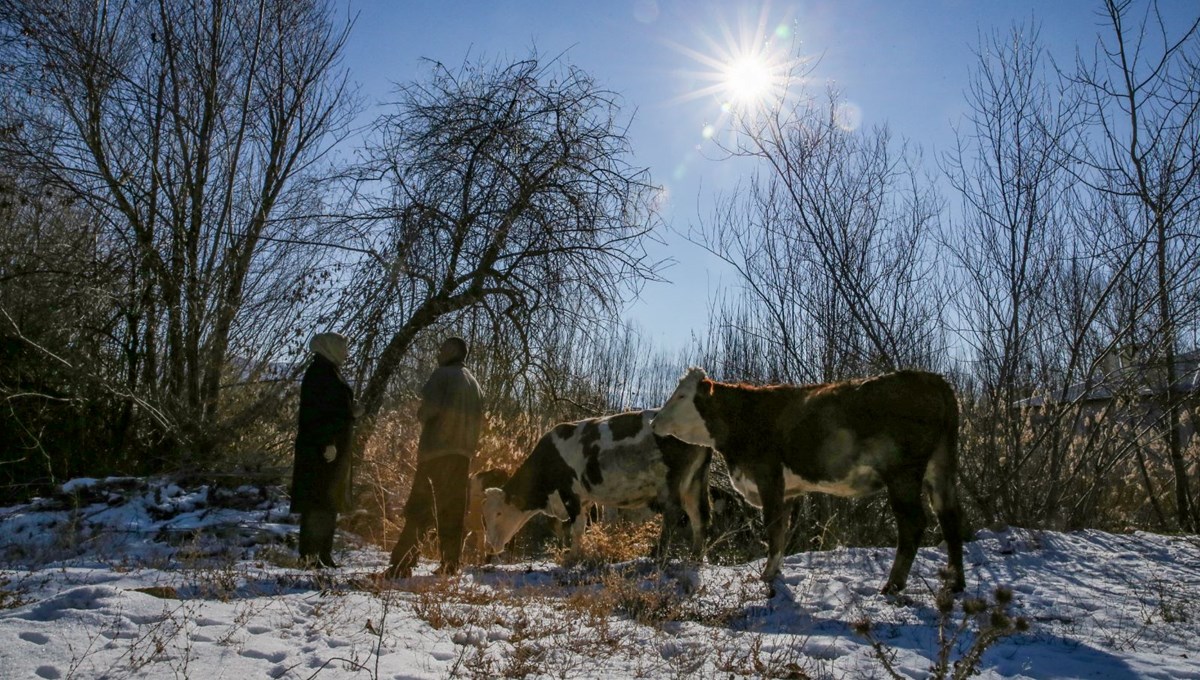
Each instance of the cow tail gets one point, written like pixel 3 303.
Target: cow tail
pixel 952 443
pixel 942 475
pixel 949 513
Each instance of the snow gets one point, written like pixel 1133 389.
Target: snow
pixel 142 578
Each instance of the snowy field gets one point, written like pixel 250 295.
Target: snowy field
pixel 123 578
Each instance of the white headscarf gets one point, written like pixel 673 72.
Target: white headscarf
pixel 332 346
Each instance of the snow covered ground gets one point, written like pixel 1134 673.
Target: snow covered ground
pixel 127 578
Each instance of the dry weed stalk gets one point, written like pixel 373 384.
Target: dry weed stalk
pixel 992 620
pixel 750 659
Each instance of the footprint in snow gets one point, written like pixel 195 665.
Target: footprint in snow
pixel 35 638
pixel 273 657
pixel 112 634
pixel 48 672
pixel 146 619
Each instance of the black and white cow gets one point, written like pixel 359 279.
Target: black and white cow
pixel 616 461
pixel 896 432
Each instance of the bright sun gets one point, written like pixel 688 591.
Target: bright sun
pixel 747 68
pixel 748 80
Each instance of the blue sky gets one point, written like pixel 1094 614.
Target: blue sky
pixel 902 63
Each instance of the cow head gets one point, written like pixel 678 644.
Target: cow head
pixel 679 417
pixel 501 519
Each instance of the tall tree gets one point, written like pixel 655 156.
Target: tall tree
pixel 501 193
pixel 194 130
pixel 1010 168
pixel 1143 91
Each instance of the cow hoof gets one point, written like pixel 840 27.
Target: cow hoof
pixel 396 571
pixel 770 582
pixel 952 579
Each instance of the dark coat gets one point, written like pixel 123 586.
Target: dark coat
pixel 451 413
pixel 326 417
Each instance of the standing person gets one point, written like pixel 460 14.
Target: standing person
pixel 322 467
pixel 451 415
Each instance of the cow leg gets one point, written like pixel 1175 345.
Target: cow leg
pixel 578 525
pixel 681 500
pixel 671 516
pixel 950 520
pixel 905 496
pixel 944 498
pixel 702 518
pixel 698 505
pixel 775 520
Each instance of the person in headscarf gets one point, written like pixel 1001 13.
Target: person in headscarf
pixel 322 466
pixel 451 415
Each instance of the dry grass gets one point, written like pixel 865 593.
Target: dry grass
pixel 752 660
pixel 383 475
pixel 610 542
pixel 385 471
pixel 581 621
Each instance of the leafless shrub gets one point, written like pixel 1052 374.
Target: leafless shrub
pixel 13 594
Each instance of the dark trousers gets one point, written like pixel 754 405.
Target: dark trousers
pixel 316 536
pixel 438 501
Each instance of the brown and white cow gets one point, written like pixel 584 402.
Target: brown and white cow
pixel 616 461
pixel 896 432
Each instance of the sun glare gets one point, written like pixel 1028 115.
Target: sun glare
pixel 748 80
pixel 746 68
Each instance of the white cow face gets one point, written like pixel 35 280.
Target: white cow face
pixel 501 519
pixel 679 418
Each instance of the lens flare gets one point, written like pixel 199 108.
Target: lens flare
pixel 746 68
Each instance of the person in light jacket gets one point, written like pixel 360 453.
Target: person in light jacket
pixel 322 467
pixel 451 415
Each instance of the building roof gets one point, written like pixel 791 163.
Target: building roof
pixel 1143 380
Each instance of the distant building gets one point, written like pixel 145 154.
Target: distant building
pixel 1123 377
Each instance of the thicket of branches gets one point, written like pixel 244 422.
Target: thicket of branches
pixel 178 145
pixel 173 228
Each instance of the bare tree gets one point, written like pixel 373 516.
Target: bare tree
pixel 831 236
pixel 495 195
pixel 1143 92
pixel 194 130
pixel 1010 169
